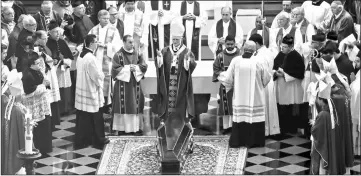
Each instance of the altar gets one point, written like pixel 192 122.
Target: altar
pixel 201 77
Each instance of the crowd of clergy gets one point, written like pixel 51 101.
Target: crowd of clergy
pixel 300 76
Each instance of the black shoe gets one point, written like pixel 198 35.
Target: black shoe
pixel 227 131
pixel 138 133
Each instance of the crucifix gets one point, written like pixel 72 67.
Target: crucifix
pixel 166 4
pixel 28 125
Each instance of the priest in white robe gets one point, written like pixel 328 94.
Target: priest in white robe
pixel 266 56
pixel 317 12
pixel 250 76
pixel 194 19
pixel 109 43
pixel 298 20
pixel 221 29
pixel 136 25
pixel 286 7
pixel 160 16
pixel 285 29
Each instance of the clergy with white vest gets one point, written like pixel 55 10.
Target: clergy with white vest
pixel 160 16
pixel 109 43
pixel 220 30
pixel 194 19
pixel 136 25
pixel 285 29
pixel 299 21
pixel 260 29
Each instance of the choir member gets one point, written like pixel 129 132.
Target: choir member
pixel 250 76
pixel 37 102
pixel 299 20
pixel 220 65
pixel 286 7
pixel 221 29
pixel 174 66
pixel 128 68
pixel 266 56
pixel 89 126
pixel 260 29
pixel 109 43
pixel 289 71
pixel 194 19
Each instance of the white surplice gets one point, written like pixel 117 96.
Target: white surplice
pixel 309 31
pixel 168 16
pixel 271 120
pixel 317 15
pixel 200 22
pixel 213 39
pixel 273 38
pixel 250 76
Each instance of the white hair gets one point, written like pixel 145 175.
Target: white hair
pixel 284 14
pixel 6 8
pixel 250 46
pixel 27 19
pixel 47 4
pixel 299 9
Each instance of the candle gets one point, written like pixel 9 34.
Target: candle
pixel 28 134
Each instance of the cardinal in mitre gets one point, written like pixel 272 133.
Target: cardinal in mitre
pixel 175 65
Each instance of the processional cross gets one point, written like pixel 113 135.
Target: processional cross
pixel 166 4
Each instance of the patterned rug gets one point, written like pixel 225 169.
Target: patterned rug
pixel 138 156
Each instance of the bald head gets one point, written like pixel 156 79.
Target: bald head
pixel 336 7
pixel 249 47
pixel 226 14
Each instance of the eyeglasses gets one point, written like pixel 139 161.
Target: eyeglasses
pixel 114 14
pixel 31 24
pixel 9 13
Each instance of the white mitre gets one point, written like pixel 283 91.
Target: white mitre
pixel 177 28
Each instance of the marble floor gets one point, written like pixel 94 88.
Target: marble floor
pixel 282 155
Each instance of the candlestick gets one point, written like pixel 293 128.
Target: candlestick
pixel 28 134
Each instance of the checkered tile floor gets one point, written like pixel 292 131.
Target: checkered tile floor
pixel 282 155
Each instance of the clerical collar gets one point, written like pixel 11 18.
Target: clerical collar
pixel 231 52
pixel 115 23
pixel 317 3
pixel 226 23
pixel 104 26
pixel 338 15
pixel 89 49
pixel 300 23
pixel 128 51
